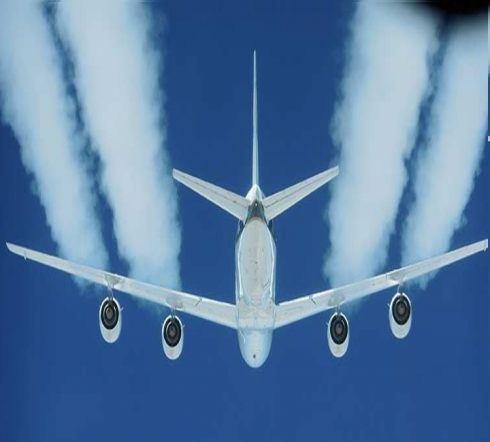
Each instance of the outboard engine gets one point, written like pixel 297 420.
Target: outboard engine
pixel 400 315
pixel 172 337
pixel 110 319
pixel 338 334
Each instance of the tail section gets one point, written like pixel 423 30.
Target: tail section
pixel 231 202
pixel 237 205
pixel 275 204
pixel 255 141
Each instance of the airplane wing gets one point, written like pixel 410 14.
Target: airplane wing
pixel 215 311
pixel 300 308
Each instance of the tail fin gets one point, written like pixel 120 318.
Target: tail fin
pixel 255 141
pixel 231 202
pixel 275 204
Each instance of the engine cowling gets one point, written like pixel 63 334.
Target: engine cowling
pixel 110 319
pixel 338 334
pixel 172 337
pixel 400 315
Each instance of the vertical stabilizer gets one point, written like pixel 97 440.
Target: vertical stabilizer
pixel 255 172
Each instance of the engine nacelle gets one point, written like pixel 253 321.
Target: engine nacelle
pixel 110 319
pixel 172 337
pixel 338 334
pixel 400 315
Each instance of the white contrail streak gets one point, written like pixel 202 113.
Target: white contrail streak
pixel 375 125
pixel 36 106
pixel 457 127
pixel 117 70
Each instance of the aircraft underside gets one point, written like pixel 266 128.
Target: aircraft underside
pixel 255 314
pixel 255 287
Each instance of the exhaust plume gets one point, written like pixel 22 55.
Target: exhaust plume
pixel 36 106
pixel 457 128
pixel 375 124
pixel 117 69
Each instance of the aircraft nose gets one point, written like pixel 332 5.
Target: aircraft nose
pixel 255 347
pixel 255 359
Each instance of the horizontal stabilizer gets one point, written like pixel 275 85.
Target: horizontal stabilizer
pixel 231 202
pixel 275 204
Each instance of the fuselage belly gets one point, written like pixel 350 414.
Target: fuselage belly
pixel 255 256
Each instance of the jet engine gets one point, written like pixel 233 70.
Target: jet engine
pixel 110 319
pixel 172 337
pixel 338 334
pixel 400 315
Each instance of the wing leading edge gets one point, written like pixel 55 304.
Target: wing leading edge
pixel 215 311
pixel 300 308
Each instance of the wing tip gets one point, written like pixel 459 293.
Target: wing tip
pixel 16 250
pixel 480 246
pixel 331 173
pixel 179 176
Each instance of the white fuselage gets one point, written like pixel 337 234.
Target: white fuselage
pixel 255 256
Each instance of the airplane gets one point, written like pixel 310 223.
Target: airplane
pixel 255 314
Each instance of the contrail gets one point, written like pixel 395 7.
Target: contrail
pixel 457 128
pixel 117 73
pixel 37 108
pixel 386 80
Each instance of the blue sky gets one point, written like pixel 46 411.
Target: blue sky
pixel 60 381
